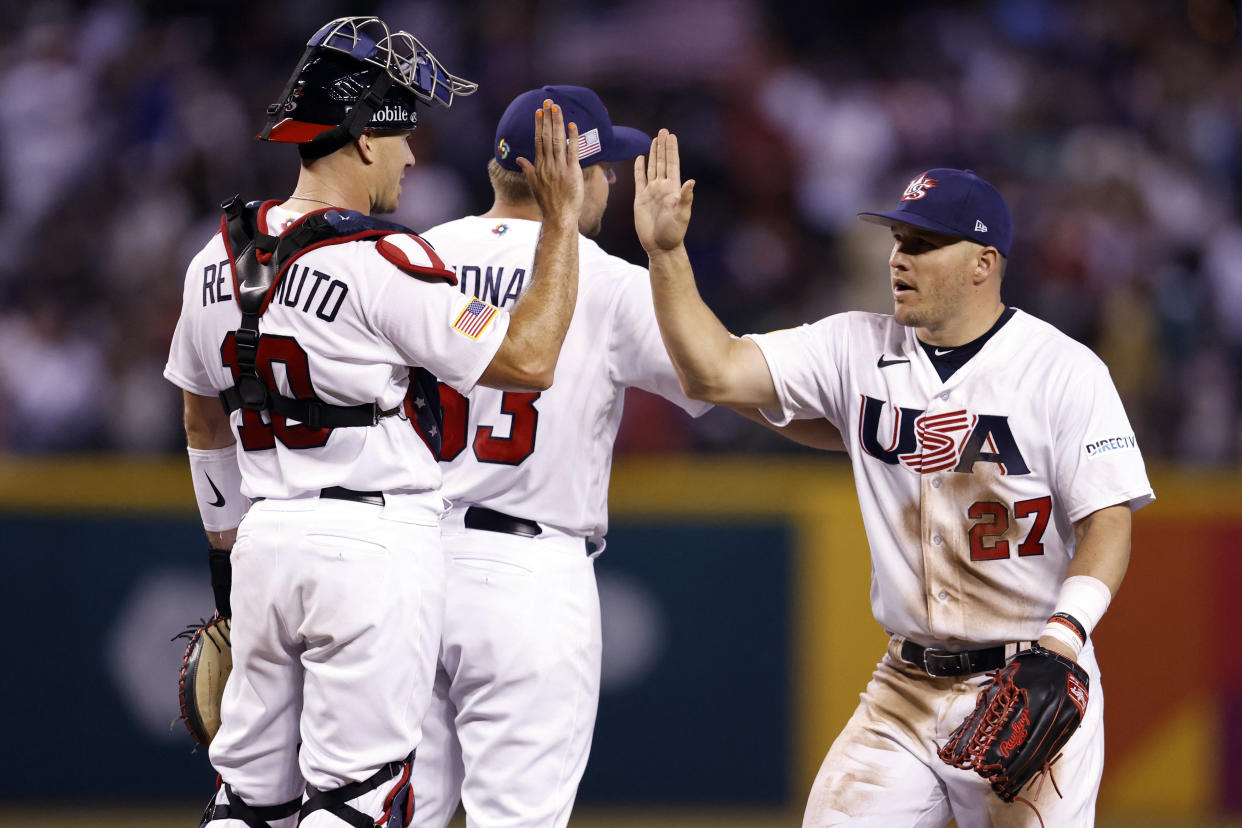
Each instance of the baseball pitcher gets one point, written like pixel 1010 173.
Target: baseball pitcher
pixel 510 724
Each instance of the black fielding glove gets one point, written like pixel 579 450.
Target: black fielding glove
pixel 221 579
pixel 1025 714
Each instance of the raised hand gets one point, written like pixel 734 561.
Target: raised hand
pixel 661 200
pixel 555 178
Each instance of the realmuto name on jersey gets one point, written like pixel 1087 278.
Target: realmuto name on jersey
pixel 952 440
pixel 306 289
pixel 324 294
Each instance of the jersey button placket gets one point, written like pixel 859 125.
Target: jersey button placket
pixel 942 569
pixel 936 565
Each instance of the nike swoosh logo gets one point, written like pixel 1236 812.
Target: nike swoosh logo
pixel 884 363
pixel 945 351
pixel 219 497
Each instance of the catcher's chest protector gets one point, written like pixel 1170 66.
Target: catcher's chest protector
pixel 259 261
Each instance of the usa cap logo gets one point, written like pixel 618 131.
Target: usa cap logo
pixel 918 188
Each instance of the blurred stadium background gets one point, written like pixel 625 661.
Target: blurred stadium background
pixel 737 631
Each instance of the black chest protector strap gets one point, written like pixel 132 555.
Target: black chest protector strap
pixel 254 279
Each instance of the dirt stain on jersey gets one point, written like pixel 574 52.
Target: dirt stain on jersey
pixel 989 589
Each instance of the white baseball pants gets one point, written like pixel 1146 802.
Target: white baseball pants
pixel 337 607
pixel 883 772
pixel 510 724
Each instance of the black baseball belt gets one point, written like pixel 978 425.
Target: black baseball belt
pixel 341 493
pixel 489 520
pixel 942 663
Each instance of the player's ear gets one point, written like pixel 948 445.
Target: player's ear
pixel 988 262
pixel 365 147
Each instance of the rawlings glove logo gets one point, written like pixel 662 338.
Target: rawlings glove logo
pixel 1077 693
pixel 1017 735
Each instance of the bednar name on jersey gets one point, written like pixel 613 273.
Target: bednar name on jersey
pixel 498 284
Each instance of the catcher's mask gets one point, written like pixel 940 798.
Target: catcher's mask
pixel 355 75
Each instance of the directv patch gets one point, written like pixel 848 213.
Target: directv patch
pixel 1111 444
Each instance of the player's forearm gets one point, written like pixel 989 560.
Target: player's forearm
pixel 526 360
pixel 702 350
pixel 222 540
pixel 214 471
pixel 1094 575
pixel 206 423
pixel 818 434
pixel 1103 546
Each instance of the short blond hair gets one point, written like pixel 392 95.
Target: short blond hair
pixel 510 185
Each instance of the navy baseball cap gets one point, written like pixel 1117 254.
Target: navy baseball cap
pixel 598 139
pixel 955 202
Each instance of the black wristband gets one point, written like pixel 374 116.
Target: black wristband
pixel 1073 622
pixel 221 579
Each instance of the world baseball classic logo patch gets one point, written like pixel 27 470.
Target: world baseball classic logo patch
pixel 474 318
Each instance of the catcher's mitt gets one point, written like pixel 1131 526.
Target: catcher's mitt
pixel 1025 714
pixel 204 670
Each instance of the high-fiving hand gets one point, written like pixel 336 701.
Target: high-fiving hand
pixel 661 200
pixel 555 178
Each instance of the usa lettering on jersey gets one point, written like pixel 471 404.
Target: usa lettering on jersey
pixel 954 440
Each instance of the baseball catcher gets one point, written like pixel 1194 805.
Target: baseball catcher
pixel 338 626
pixel 1025 714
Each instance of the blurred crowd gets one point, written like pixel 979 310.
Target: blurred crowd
pixel 1113 127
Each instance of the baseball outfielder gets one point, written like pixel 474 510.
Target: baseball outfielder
pixel 996 473
pixel 510 725
pixel 309 320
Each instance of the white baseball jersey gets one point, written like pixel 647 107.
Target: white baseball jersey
pixel 969 488
pixel 344 324
pixel 547 457
pixel 337 604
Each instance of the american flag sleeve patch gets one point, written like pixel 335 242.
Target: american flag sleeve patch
pixel 474 318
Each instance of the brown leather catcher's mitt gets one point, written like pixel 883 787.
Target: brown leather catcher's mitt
pixel 204 670
pixel 1025 714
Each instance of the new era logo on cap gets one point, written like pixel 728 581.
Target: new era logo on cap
pixel 954 202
